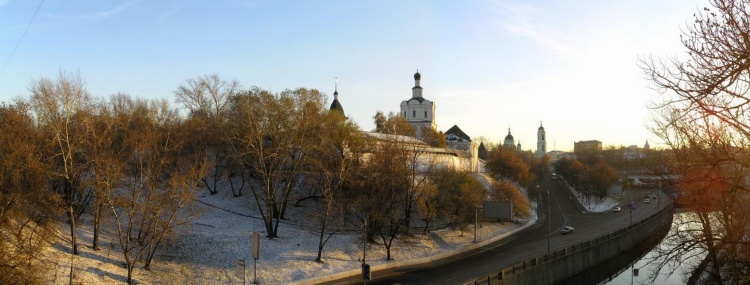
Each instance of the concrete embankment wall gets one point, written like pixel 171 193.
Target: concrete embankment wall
pixel 564 263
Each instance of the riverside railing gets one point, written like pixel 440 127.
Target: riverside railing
pixel 515 269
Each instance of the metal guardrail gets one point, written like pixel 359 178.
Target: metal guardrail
pixel 517 268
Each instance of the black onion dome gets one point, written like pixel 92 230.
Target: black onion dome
pixel 336 106
pixel 509 137
pixel 541 128
pixel 417 76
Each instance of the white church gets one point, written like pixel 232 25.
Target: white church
pixel 461 152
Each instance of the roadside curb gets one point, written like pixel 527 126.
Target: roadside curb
pixel 418 261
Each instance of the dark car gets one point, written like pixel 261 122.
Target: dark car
pixel 566 230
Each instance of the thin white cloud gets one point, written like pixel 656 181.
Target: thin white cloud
pixel 168 13
pixel 109 13
pixel 545 37
pixel 96 16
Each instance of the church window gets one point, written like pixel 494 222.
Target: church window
pixel 404 114
pixel 425 114
pixel 413 114
pixel 542 136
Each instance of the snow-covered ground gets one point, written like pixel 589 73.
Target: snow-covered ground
pixel 207 249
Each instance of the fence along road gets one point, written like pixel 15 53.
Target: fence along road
pixel 529 244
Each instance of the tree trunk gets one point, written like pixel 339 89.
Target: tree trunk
pixel 97 219
pixel 388 249
pixel 73 241
pixel 698 271
pixel 210 190
pixel 268 221
pixel 238 193
pixel 150 252
pixel 322 234
pixel 130 272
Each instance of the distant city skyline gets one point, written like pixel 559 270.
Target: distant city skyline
pixel 487 65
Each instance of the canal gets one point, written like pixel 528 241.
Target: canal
pixel 637 265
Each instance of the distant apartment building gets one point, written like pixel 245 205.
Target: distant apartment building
pixel 587 147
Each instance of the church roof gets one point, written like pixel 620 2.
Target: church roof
pixel 458 132
pixel 417 76
pixel 482 152
pixel 509 137
pixel 395 138
pixel 420 99
pixel 336 106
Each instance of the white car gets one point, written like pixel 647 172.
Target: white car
pixel 567 230
pixel 647 201
pixel 616 209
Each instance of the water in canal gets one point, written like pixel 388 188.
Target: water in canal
pixel 619 270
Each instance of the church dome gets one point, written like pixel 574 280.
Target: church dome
pixel 336 106
pixel 417 76
pixel 541 128
pixel 509 137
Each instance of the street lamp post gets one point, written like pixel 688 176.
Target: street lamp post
pixel 631 204
pixel 549 220
pixel 364 241
pixel 475 224
pixel 632 208
pixel 365 266
pixel 658 196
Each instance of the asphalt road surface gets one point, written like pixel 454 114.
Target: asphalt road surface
pixel 532 242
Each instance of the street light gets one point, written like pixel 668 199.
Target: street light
pixel 365 266
pixel 549 220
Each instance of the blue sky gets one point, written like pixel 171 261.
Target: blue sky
pixel 487 65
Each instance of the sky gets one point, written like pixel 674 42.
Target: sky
pixel 487 65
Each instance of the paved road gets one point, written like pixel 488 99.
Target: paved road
pixel 532 242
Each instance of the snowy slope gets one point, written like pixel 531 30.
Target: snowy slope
pixel 207 249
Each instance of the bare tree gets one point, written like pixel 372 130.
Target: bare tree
pixel 273 134
pixel 27 211
pixel 457 195
pixel 332 165
pixel 505 164
pixel 160 169
pixel 105 161
pixel 56 104
pixel 381 186
pixel 703 117
pixel 206 97
pixel 393 124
